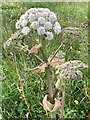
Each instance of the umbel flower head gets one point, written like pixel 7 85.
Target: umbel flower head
pixel 69 71
pixel 42 20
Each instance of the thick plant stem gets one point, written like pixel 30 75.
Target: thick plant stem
pixel 48 74
pixel 63 99
pixel 49 81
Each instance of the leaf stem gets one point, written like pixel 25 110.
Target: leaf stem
pixel 38 58
pixel 56 52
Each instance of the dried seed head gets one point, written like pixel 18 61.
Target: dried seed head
pixel 69 71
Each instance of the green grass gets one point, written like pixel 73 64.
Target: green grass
pixel 69 15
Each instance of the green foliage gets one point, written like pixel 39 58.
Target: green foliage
pixel 69 15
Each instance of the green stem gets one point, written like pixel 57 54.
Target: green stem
pixel 48 74
pixel 45 58
pixel 56 52
pixel 53 116
pixel 38 58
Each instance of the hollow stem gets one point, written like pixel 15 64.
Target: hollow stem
pixel 49 81
pixel 48 74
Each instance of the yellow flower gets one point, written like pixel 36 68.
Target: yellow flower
pixel 79 51
pixel 71 47
pixel 76 101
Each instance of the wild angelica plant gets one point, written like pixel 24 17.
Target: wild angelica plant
pixel 44 23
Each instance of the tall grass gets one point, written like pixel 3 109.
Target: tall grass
pixel 69 15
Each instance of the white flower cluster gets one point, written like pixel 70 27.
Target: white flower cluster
pixel 40 19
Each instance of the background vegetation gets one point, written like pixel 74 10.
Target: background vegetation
pixel 69 15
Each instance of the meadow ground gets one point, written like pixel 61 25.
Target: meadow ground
pixel 69 15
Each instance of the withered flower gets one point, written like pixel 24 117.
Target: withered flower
pixel 69 70
pixel 34 50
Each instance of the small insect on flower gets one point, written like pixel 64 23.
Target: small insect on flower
pixel 41 20
pixel 49 35
pixel 76 102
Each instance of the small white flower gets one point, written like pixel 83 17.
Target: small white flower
pixel 24 23
pixel 48 25
pixel 41 30
pixel 46 10
pixel 40 9
pixel 52 17
pixel 41 20
pixel 26 16
pixel 38 14
pixel 57 29
pixel 45 14
pixel 31 17
pixel 28 11
pixel 22 17
pixel 18 23
pixel 34 25
pixel 31 10
pixel 52 13
pixel 25 30
pixel 56 24
pixel 49 35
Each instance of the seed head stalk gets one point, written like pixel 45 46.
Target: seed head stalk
pixel 48 75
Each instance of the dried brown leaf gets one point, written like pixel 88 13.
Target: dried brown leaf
pixel 56 105
pixel 40 68
pixel 50 107
pixel 34 50
pixel 56 61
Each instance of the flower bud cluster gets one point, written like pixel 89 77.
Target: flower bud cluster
pixel 42 20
